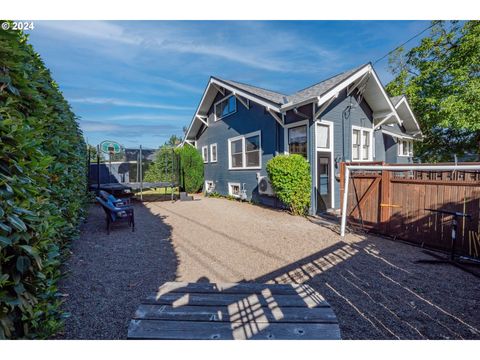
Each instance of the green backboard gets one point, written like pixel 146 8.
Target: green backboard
pixel 110 147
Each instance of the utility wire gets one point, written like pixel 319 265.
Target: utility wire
pixel 413 37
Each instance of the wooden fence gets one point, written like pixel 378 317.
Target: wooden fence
pixel 395 203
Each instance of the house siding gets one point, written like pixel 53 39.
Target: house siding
pixel 243 121
pixel 257 118
pixel 360 115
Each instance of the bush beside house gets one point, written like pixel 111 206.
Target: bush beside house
pixel 290 178
pixel 191 168
pixel 42 190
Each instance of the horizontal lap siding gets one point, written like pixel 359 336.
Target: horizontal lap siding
pixel 360 115
pixel 244 121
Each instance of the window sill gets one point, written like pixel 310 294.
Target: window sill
pixel 246 168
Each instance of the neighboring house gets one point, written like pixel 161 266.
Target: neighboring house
pixel 348 117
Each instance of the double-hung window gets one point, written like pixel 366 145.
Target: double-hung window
pixel 362 144
pixel 205 153
pixel 213 153
pixel 225 107
pixel 245 151
pixel 405 148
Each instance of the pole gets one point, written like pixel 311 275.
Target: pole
pixel 141 174
pixel 98 168
pixel 344 202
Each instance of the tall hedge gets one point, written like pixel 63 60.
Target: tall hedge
pixel 42 189
pixel 191 168
pixel 291 180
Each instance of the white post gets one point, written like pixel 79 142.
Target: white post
pixel 344 202
pixel 141 174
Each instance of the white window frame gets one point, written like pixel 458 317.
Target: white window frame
pixel 370 148
pixel 400 147
pixel 285 136
pixel 230 184
pixel 330 124
pixel 218 102
pixel 205 154
pixel 214 145
pixel 244 157
pixel 208 186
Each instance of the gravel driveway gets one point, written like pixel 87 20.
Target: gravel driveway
pixel 373 284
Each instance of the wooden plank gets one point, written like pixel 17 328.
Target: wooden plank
pixel 224 314
pixel 234 288
pixel 179 299
pixel 193 330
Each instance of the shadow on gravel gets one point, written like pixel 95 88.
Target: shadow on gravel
pixel 378 291
pixel 107 275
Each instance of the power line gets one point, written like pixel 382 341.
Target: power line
pixel 413 37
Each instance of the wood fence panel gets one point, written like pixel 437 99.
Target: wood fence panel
pixel 395 203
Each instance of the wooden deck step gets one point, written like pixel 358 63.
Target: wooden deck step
pixel 234 311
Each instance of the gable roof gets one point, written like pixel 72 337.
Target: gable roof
pixel 269 95
pixel 322 87
pixel 322 92
pixel 403 109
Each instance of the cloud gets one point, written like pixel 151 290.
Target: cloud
pixel 126 103
pixel 256 45
pixel 146 117
pixel 157 130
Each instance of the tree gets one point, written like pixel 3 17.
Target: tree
pixel 440 78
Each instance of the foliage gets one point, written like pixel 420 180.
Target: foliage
pixel 191 168
pixel 441 79
pixel 163 167
pixel 290 178
pixel 42 182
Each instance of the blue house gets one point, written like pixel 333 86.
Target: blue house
pixel 347 117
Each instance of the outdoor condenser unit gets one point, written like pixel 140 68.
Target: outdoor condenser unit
pixel 265 187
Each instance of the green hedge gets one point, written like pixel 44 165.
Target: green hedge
pixel 191 168
pixel 42 189
pixel 290 177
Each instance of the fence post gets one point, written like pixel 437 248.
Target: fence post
pixel 385 201
pixel 342 180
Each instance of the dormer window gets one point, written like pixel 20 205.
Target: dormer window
pixel 225 107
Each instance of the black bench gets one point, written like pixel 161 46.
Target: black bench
pixel 117 214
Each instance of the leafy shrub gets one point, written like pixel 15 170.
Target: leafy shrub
pixel 163 167
pixel 42 187
pixel 191 168
pixel 290 177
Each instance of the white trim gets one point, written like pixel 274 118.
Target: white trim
pixel 220 89
pixel 324 106
pixel 202 119
pixel 402 136
pixel 218 102
pixel 331 148
pixel 211 153
pixel 207 186
pixel 370 148
pixel 404 100
pixel 245 95
pixel 390 104
pixel 293 125
pixel 205 158
pixel 400 148
pixel 276 117
pixel 244 156
pixel 239 98
pixel 230 184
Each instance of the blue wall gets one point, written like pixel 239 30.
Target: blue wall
pixel 257 118
pixel 242 122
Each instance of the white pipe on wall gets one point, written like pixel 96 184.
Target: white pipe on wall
pixel 349 168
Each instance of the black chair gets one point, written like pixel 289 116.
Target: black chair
pixel 117 214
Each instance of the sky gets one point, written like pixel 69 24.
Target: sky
pixel 139 82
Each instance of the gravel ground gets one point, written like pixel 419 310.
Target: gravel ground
pixel 108 274
pixel 373 284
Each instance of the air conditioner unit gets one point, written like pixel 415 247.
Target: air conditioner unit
pixel 264 186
